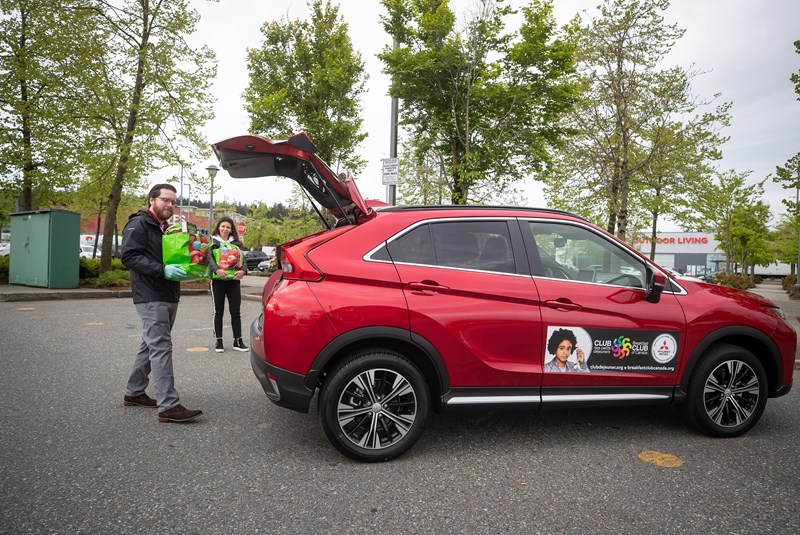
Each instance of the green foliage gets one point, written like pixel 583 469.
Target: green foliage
pixel 715 202
pixel 42 133
pixel 4 263
pixel 90 268
pixel 307 76
pixel 734 280
pixel 788 176
pixel 278 224
pixel 109 279
pixel 795 77
pixel 484 104
pixel 639 138
pixel 785 239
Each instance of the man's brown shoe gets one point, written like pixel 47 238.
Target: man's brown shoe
pixel 178 413
pixel 142 400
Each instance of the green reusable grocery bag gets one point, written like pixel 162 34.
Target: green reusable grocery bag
pixel 229 259
pixel 184 246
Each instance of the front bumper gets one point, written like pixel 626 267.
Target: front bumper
pixel 283 388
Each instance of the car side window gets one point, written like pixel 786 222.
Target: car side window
pixel 573 252
pixel 414 247
pixel 481 245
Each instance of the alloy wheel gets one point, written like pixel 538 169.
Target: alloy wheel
pixel 731 393
pixel 377 408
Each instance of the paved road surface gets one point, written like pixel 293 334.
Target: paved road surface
pixel 74 460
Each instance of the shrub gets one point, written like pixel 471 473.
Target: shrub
pixel 734 280
pixel 787 282
pixel 89 269
pixel 4 262
pixel 115 277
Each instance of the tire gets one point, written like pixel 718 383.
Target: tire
pixel 727 392
pixel 374 405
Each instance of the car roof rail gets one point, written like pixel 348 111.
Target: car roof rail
pixel 479 207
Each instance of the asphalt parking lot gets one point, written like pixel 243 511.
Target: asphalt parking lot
pixel 74 460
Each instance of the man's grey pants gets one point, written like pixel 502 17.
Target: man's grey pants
pixel 155 354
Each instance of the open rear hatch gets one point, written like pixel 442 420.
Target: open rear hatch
pixel 253 156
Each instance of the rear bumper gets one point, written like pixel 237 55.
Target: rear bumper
pixel 283 388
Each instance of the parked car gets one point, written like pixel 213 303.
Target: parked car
pixel 87 251
pixel 396 311
pixel 253 258
pixel 5 249
pixel 267 265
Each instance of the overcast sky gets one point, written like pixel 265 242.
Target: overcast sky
pixel 744 45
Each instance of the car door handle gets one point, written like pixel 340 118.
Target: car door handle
pixel 563 304
pixel 430 286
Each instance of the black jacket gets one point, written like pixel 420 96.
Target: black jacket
pixel 141 254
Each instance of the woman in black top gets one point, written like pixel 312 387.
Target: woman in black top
pixel 223 285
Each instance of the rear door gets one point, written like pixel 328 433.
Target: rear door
pixel 470 295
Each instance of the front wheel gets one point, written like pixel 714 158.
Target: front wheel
pixel 373 407
pixel 727 393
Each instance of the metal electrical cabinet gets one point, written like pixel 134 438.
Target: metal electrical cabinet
pixel 44 248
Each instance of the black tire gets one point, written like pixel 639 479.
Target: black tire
pixel 374 405
pixel 727 392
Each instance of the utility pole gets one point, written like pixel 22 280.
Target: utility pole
pixel 392 197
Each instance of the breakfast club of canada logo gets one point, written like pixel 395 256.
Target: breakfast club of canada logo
pixel 616 351
pixel 621 347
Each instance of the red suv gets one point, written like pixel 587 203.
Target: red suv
pixel 394 311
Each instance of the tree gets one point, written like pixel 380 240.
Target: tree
pixel 795 77
pixel 157 86
pixel 785 241
pixel 488 103
pixel 639 135
pixel 750 236
pixel 307 76
pixel 717 200
pixel 43 48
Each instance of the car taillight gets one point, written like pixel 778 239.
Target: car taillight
pixel 294 255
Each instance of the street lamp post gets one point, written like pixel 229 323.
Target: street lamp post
pixel 180 208
pixel 212 172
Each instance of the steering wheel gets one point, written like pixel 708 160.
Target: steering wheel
pixel 631 279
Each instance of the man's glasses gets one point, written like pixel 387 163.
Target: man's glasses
pixel 173 202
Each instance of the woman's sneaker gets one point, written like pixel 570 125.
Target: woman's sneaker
pixel 238 345
pixel 219 348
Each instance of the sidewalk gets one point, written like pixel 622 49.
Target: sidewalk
pixel 251 290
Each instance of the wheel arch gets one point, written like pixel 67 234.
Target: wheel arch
pixel 413 347
pixel 754 340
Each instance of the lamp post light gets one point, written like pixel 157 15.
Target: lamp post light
pixel 212 172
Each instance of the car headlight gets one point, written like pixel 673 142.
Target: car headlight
pixel 777 310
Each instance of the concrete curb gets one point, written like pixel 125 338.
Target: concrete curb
pixel 63 295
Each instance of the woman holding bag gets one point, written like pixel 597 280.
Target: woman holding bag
pixel 227 269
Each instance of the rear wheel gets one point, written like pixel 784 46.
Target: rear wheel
pixel 727 393
pixel 373 406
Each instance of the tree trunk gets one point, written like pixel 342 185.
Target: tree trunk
pixel 127 146
pixel 653 236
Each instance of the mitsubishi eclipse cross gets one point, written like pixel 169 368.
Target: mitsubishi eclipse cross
pixel 394 311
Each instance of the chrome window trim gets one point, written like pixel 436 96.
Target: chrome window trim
pixel 506 219
pixel 633 252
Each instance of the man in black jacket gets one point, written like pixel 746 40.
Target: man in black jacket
pixel 156 300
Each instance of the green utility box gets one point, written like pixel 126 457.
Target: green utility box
pixel 45 248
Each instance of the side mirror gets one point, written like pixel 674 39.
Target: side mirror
pixel 656 281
